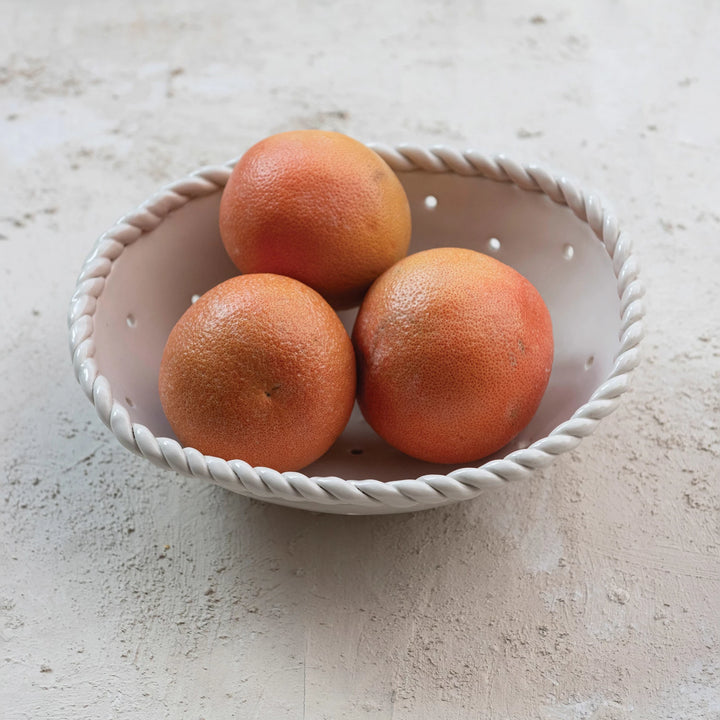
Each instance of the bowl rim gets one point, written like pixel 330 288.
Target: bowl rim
pixel 370 495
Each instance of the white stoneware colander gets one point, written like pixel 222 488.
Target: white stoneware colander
pixel 145 271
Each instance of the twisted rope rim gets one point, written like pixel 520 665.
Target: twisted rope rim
pixel 294 487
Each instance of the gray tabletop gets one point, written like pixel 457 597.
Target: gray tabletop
pixel 589 591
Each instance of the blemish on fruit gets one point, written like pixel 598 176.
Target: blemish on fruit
pixel 273 389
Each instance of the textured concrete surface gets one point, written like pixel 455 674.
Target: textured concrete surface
pixel 592 591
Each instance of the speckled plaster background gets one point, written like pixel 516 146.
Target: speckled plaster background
pixel 591 591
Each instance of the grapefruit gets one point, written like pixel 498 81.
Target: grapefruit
pixel 454 352
pixel 317 206
pixel 260 369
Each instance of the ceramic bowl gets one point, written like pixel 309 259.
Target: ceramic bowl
pixel 146 269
